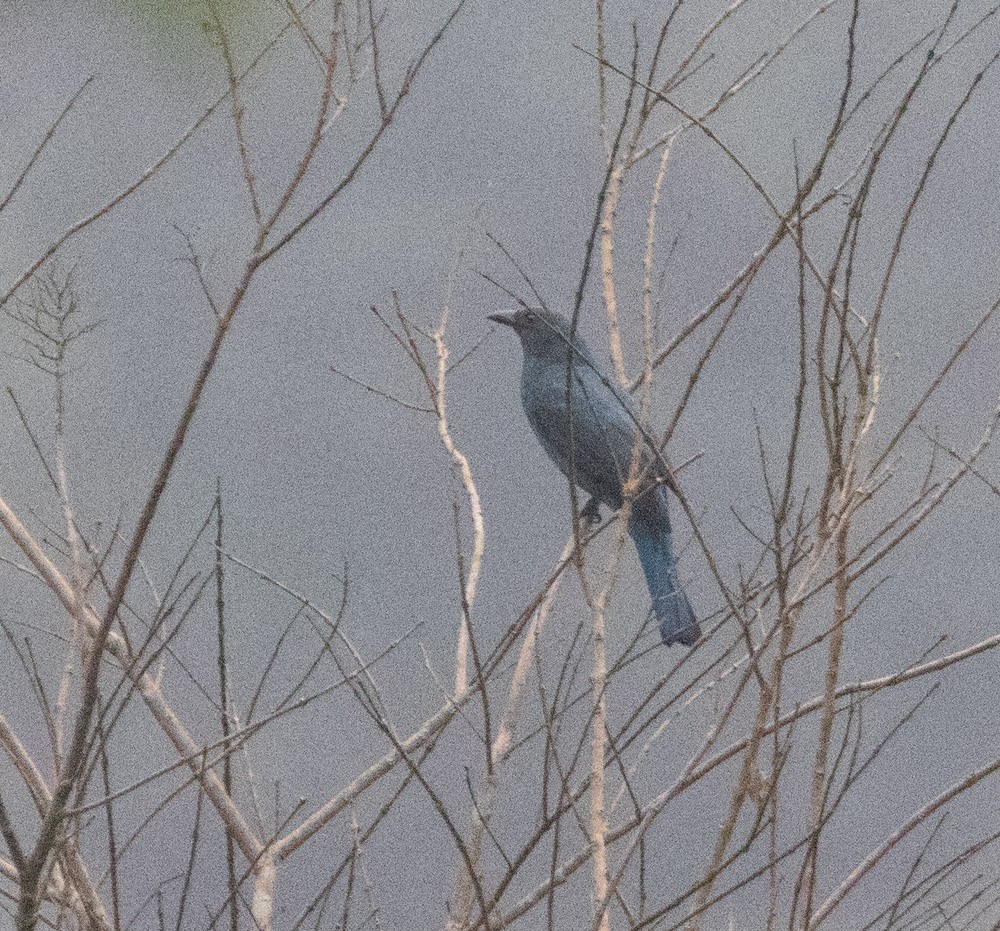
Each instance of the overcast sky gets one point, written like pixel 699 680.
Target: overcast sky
pixel 499 136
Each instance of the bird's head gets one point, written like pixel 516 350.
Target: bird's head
pixel 541 331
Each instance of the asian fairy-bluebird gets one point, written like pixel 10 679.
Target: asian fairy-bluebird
pixel 590 429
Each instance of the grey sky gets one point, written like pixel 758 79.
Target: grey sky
pixel 500 134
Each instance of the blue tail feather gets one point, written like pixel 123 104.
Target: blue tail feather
pixel 670 604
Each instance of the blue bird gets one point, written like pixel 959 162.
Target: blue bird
pixel 593 440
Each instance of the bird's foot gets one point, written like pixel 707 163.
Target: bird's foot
pixel 591 513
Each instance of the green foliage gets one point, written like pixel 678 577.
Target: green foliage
pixel 184 28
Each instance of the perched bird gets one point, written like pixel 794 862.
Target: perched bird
pixel 593 440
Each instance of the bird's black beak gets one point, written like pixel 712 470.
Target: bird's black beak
pixel 505 319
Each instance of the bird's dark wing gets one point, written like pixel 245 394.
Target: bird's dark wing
pixel 625 422
pixel 619 426
pixel 604 436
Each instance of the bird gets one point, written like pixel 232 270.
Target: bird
pixel 593 439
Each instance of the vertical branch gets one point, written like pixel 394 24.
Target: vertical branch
pixel 238 112
pixel 647 263
pixel 610 206
pixel 373 25
pixel 10 839
pixel 602 889
pixel 818 786
pixel 478 533
pixel 112 839
pixel 227 766
pixel 75 556
pixel 262 905
pixel 50 319
pixel 784 565
pixel 602 87
pixel 598 736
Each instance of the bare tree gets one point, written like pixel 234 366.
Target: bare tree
pixel 559 771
